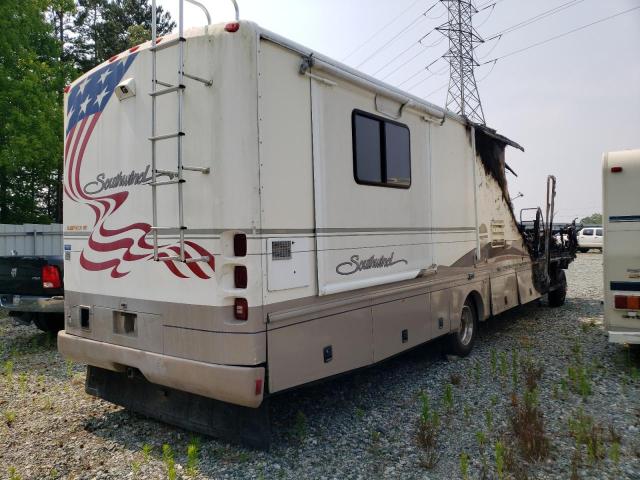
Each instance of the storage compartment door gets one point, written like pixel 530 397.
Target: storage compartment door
pixel 504 293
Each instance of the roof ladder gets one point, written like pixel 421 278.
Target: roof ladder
pixel 176 177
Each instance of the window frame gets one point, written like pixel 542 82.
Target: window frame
pixel 383 150
pixel 591 234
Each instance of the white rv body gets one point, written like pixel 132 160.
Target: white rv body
pixel 362 272
pixel 621 218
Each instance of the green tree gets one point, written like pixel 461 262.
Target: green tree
pixel 593 219
pixel 30 113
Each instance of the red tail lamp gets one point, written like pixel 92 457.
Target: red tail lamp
pixel 232 27
pixel 51 277
pixel 240 245
pixel 627 302
pixel 240 276
pixel 113 59
pixel 258 386
pixel 616 169
pixel 241 309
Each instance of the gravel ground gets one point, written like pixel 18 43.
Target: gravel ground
pixel 361 425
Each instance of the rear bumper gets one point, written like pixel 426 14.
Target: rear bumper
pixel 226 383
pixel 624 337
pixel 25 303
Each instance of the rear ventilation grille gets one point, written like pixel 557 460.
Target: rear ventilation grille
pixel 281 250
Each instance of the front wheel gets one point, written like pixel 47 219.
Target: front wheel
pixel 559 292
pixel 461 341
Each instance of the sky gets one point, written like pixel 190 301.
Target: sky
pixel 566 101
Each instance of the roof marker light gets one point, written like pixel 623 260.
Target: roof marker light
pixel 67 88
pixel 133 49
pixel 113 59
pixel 232 27
pixel 616 169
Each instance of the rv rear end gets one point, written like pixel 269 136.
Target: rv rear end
pixel 621 217
pixel 191 324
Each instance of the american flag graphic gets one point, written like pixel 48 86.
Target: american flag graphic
pixel 111 247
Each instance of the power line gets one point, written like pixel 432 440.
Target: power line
pixel 562 35
pixel 433 74
pixel 411 77
pixel 384 27
pixel 536 18
pixel 422 50
pixel 397 35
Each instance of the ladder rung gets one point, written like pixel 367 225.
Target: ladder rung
pixel 171 173
pixel 167 182
pixel 197 169
pixel 208 83
pixel 194 260
pixel 168 228
pixel 171 258
pixel 167 44
pixel 166 136
pixel 164 84
pixel 164 91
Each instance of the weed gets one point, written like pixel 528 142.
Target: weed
pixel 9 417
pixel 477 371
pixel 22 381
pixel 532 373
pixel 69 368
pixel 499 451
pixel 494 400
pixel 634 373
pixel 527 423
pixel 481 437
pixel 47 405
pixel 300 426
pixel 455 379
pixel 504 366
pixel 427 432
pixel 614 453
pixel 564 388
pixel 193 450
pixel 53 473
pixel 588 433
pixel 488 419
pixel 576 462
pixel 447 398
pixel 146 452
pixel 464 466
pixel 375 437
pixel 493 361
pixel 40 381
pixel 8 371
pixel 360 413
pixel 579 380
pixel 169 462
pixel 13 474
pixel 554 392
pixel 135 469
pixel 614 436
pixel 467 411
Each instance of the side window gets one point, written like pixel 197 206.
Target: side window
pixel 587 231
pixel 381 151
pixel 598 232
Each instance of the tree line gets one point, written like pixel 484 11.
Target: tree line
pixel 44 45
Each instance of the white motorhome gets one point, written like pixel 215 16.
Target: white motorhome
pixel 270 218
pixel 621 217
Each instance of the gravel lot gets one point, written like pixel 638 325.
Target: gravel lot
pixel 362 425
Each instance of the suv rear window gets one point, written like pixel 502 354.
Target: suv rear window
pixel 587 231
pixel 598 232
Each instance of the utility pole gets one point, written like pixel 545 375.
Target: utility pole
pixel 462 97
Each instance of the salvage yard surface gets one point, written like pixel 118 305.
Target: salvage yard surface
pixel 543 395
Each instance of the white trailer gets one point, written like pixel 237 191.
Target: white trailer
pixel 267 217
pixel 621 217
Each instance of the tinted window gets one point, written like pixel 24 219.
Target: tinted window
pixel 599 232
pixel 382 152
pixel 397 154
pixel 367 145
pixel 587 231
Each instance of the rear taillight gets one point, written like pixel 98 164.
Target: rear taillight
pixel 51 277
pixel 616 169
pixel 241 309
pixel 240 245
pixel 627 302
pixel 240 276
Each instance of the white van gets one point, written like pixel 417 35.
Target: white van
pixel 621 216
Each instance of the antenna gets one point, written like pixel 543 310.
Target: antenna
pixel 462 97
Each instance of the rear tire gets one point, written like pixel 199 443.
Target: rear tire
pixel 583 250
pixel 49 322
pixel 461 342
pixel 559 294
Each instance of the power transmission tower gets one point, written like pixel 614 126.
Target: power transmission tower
pixel 462 97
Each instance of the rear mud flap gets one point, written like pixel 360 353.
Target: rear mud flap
pixel 232 423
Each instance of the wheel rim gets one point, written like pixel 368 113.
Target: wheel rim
pixel 465 333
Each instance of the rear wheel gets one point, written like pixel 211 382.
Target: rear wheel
pixel 49 322
pixel 583 250
pixel 461 341
pixel 559 292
